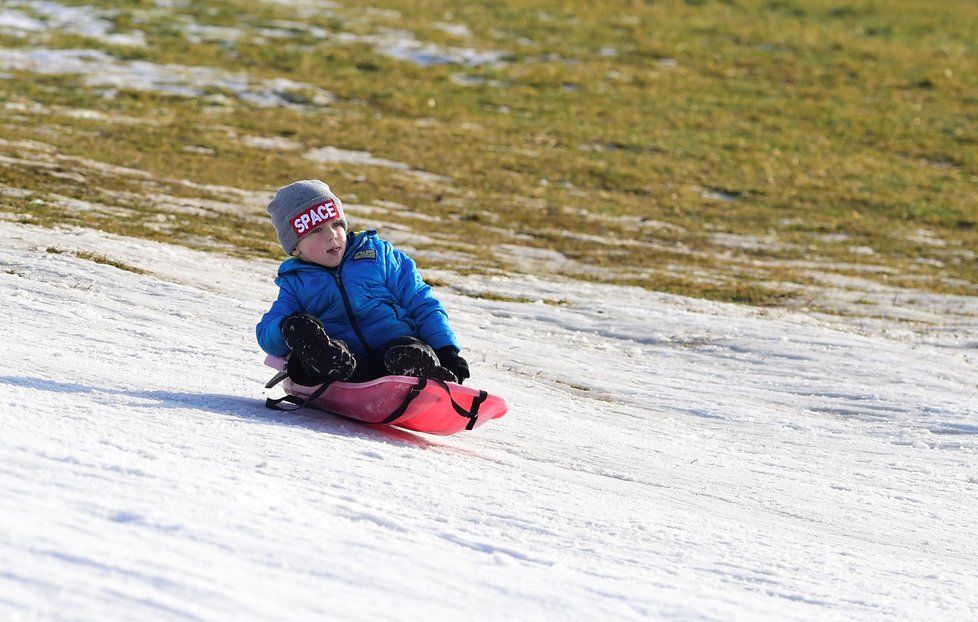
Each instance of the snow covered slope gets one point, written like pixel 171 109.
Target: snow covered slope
pixel 663 458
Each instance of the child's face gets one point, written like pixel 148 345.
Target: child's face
pixel 324 245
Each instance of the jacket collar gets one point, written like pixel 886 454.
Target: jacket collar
pixel 354 242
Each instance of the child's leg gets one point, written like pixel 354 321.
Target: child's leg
pixel 369 368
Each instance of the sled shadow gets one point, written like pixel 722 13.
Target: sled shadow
pixel 234 406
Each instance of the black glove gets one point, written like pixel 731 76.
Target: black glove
pixel 315 357
pixel 450 360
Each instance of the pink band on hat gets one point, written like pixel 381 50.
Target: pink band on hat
pixel 310 218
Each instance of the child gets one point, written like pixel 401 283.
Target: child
pixel 350 306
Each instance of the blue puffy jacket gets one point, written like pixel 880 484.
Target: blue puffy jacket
pixel 376 294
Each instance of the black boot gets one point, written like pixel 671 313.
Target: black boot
pixel 409 356
pixel 326 364
pixel 315 358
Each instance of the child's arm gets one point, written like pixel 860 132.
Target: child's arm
pixel 404 280
pixel 269 329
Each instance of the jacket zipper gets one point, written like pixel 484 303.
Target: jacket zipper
pixel 349 313
pixel 349 307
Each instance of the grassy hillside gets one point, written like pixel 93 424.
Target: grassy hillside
pixel 736 150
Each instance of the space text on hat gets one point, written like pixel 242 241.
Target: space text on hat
pixel 316 215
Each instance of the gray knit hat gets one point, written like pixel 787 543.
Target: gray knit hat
pixel 300 207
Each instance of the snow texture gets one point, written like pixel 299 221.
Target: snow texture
pixel 82 20
pixel 663 458
pixel 99 69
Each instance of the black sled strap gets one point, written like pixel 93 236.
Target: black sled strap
pixel 472 413
pixel 277 378
pixel 275 404
pixel 413 393
pixel 298 402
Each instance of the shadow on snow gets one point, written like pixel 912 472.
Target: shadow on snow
pixel 236 406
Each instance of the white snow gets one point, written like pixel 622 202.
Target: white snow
pixel 99 69
pixel 272 143
pixel 347 156
pixel 750 242
pixel 306 8
pixel 664 458
pixel 404 45
pixel 18 24
pixel 330 154
pixel 456 30
pixel 81 20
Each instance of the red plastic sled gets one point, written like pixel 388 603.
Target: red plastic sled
pixel 418 404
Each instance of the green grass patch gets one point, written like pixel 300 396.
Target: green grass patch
pixel 816 126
